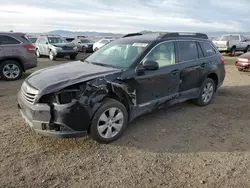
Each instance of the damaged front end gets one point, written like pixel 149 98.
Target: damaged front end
pixel 68 112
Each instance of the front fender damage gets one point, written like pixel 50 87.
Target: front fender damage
pixel 77 114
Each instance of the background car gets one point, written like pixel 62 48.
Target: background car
pixel 232 43
pixel 55 46
pixel 32 39
pixel 69 39
pixel 83 44
pixel 101 43
pixel 243 62
pixel 17 54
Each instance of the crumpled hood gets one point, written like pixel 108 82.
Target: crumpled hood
pixel 57 77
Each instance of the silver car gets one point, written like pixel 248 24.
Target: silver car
pixel 55 46
pixel 17 54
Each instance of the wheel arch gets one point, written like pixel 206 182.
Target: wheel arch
pixel 215 78
pixel 18 60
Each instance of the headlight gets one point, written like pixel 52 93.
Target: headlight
pixel 75 48
pixel 67 96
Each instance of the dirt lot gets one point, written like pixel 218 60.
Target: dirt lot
pixel 184 146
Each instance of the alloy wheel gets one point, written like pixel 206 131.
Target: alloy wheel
pixel 110 123
pixel 11 71
pixel 207 92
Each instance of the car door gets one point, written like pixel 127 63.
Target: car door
pixel 46 47
pixel 1 52
pixel 244 42
pixel 155 87
pixel 41 46
pixel 192 63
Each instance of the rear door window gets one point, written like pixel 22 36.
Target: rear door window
pixel 207 49
pixel 187 50
pixel 7 40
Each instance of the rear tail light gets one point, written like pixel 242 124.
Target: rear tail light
pixel 30 47
pixel 243 61
pixel 222 59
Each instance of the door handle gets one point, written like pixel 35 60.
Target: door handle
pixel 174 72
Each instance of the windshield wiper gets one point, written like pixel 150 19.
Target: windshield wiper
pixel 102 64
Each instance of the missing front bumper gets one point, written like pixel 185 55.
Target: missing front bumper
pixel 64 121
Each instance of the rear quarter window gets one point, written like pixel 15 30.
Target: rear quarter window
pixel 8 40
pixel 187 50
pixel 207 48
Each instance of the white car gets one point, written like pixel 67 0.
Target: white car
pixel 101 43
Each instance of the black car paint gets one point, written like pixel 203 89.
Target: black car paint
pixel 141 91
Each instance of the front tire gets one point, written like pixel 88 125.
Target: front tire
pixel 84 49
pixel 10 70
pixel 38 53
pixel 109 122
pixel 206 93
pixel 72 57
pixel 52 56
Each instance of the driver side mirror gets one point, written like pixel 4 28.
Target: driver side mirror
pixel 150 65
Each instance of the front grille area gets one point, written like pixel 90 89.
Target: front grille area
pixel 28 93
pixel 67 48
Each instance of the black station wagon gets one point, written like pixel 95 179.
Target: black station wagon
pixel 124 79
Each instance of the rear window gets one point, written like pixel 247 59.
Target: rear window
pixel 7 40
pixel 187 50
pixel 229 38
pixel 207 49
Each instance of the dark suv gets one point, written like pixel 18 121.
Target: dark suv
pixel 121 81
pixel 17 54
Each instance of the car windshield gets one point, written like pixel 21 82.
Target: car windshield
pixel 86 41
pixel 54 40
pixel 119 54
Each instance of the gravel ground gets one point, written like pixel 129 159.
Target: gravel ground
pixel 183 146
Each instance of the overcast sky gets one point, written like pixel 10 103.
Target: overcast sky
pixel 122 16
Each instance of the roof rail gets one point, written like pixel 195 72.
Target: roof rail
pixel 184 34
pixel 132 34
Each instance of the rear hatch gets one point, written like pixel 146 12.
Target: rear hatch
pixel 221 42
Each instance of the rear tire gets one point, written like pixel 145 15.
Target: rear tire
pixel 241 70
pixel 233 51
pixel 247 49
pixel 106 127
pixel 206 93
pixel 10 70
